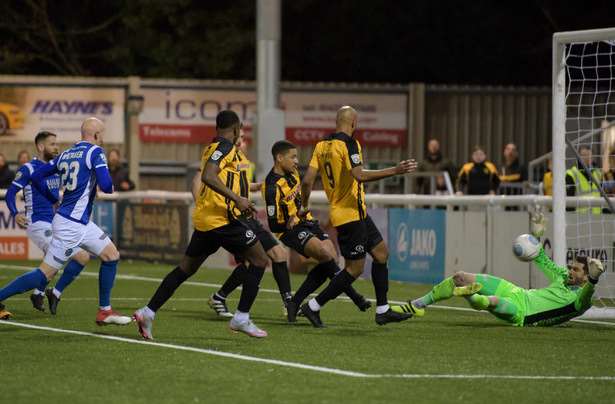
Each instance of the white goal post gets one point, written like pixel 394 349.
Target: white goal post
pixel 583 111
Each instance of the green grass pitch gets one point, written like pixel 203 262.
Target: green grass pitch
pixel 436 359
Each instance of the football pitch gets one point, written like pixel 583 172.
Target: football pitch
pixel 451 355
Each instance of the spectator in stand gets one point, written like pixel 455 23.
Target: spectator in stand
pixel 547 179
pixel 23 157
pixel 479 176
pixel 6 175
pixel 119 174
pixel 434 161
pixel 578 181
pixel 511 172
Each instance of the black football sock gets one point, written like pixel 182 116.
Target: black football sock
pixel 315 278
pixel 335 288
pixel 233 281
pixel 280 274
pixel 351 292
pixel 380 279
pixel 166 289
pixel 251 280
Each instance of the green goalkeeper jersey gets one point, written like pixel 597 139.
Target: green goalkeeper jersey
pixel 558 302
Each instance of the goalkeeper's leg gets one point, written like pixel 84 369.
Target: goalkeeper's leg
pixel 460 284
pixel 501 307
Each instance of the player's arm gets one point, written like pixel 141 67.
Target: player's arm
pixel 256 186
pixel 551 270
pixel 22 178
pixel 272 202
pixel 211 179
pixel 584 296
pixel 101 170
pixel 38 180
pixel 363 175
pixel 307 183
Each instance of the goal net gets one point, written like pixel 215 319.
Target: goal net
pixel 584 141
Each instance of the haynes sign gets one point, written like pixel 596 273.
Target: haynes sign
pixel 26 110
pixel 189 115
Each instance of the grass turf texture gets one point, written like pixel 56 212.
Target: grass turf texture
pixel 43 365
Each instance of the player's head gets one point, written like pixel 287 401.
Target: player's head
pixel 433 146
pixel 23 157
pixel 578 271
pixel 478 154
pixel 285 156
pixel 241 143
pixel 46 145
pixel 228 125
pixel 93 130
pixel 346 120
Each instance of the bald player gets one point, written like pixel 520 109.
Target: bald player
pixel 82 168
pixel 339 161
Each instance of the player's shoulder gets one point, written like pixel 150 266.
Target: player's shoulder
pixel 221 147
pixel 273 179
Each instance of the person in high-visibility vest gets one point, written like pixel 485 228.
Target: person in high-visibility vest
pixel 578 183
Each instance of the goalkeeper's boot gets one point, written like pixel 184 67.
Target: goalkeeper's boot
pixel 53 301
pixel 313 316
pixel 219 306
pixel 144 323
pixel 467 290
pixel 408 308
pixel 38 301
pixel 391 316
pixel 247 327
pixel 107 317
pixel 4 313
pixel 291 311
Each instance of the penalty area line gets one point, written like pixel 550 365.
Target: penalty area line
pixel 342 298
pixel 303 366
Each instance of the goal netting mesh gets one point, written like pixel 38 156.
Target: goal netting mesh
pixel 590 129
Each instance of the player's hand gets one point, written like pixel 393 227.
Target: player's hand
pixel 292 222
pixel 21 220
pixel 245 206
pixel 302 213
pixel 538 222
pixel 406 166
pixel 595 269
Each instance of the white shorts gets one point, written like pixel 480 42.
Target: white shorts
pixel 40 234
pixel 68 237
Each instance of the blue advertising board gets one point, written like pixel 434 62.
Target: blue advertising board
pixel 417 245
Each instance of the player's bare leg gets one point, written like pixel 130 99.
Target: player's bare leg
pixel 241 322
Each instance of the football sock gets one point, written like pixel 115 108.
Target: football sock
pixel 218 296
pixel 332 269
pixel 443 290
pixel 72 270
pixel 38 292
pixel 280 274
pixel 28 281
pixel 478 302
pixel 380 279
pixel 314 305
pixel 338 284
pixel 106 278
pixel 233 281
pixel 56 293
pixel 241 316
pixel 314 279
pixel 251 280
pixel 148 312
pixel 382 309
pixel 166 289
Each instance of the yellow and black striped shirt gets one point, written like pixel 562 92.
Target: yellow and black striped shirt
pixel 212 209
pixel 282 195
pixel 334 157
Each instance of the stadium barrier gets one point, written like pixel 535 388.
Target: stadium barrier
pixel 429 237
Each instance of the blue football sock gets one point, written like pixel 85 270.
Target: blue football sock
pixel 106 277
pixel 34 279
pixel 72 270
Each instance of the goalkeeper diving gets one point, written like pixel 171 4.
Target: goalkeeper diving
pixel 568 295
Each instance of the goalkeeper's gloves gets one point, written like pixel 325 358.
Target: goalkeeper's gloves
pixel 595 269
pixel 538 222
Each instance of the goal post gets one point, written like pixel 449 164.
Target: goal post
pixel 583 109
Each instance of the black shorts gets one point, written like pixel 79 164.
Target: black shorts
pixel 263 235
pixel 298 237
pixel 357 238
pixel 234 237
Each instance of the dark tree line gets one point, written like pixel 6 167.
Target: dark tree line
pixel 438 41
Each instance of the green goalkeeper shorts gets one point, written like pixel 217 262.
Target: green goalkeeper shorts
pixel 507 291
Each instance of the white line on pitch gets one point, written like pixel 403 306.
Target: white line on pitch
pixel 303 366
pixel 217 286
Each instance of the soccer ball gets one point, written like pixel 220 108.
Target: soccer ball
pixel 526 247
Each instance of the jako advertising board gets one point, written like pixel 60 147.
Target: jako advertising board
pixel 189 116
pixel 26 110
pixel 417 245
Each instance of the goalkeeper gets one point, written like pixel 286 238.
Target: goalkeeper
pixel 568 295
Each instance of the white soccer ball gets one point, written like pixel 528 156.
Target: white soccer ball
pixel 526 247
